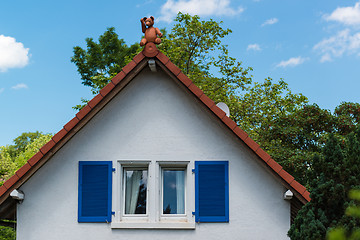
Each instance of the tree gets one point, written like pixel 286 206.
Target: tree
pixel 12 157
pixel 195 47
pixel 333 174
pixel 263 103
pixel 7 233
pixel 21 142
pixel 353 211
pixel 348 117
pixel 295 136
pixel 101 61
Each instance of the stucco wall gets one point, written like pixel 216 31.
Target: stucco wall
pixel 153 119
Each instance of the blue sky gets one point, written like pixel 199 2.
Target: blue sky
pixel 313 45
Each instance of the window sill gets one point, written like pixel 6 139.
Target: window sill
pixel 162 225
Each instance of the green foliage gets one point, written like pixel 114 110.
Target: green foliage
pixel 7 233
pixel 21 142
pixel 99 62
pixel 265 102
pixel 353 211
pixel 195 47
pixel 333 174
pixel 12 157
pixel 295 136
pixel 347 117
pixel 7 165
pixel 31 149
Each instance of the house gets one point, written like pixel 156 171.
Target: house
pixel 151 156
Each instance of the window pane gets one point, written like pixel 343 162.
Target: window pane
pixel 135 191
pixel 173 191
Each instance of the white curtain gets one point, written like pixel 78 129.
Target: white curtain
pixel 180 192
pixel 132 191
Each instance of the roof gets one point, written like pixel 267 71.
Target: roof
pixel 113 88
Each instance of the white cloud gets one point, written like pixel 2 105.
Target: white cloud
pixel 197 7
pixel 270 21
pixel 344 42
pixel 345 15
pixel 19 86
pixel 326 58
pixel 13 54
pixel 254 47
pixel 292 62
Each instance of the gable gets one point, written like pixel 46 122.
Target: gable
pixel 119 84
pixel 168 124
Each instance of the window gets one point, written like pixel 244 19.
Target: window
pixel 173 191
pixel 135 187
pixel 153 194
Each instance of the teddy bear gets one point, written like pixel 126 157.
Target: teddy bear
pixel 151 32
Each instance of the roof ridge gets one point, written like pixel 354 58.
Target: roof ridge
pixel 61 137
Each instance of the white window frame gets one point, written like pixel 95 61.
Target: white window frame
pixel 123 195
pixel 172 217
pixel 154 217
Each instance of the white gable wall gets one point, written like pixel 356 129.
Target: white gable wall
pixel 153 119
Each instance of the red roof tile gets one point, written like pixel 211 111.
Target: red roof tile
pixel 195 90
pixel 21 172
pixel 229 122
pixel 93 102
pixel 263 155
pixel 207 101
pixel 56 142
pixel 286 176
pixel 57 137
pixel 184 79
pixel 130 66
pixel 47 147
pixel 11 181
pixel 306 195
pixel 138 58
pixel 83 112
pixel 3 190
pixel 240 133
pixel 298 187
pixel 107 89
pixel 220 113
pixel 173 68
pixel 118 78
pixel 163 58
pixel 274 165
pixel 252 144
pixel 71 124
pixel 32 161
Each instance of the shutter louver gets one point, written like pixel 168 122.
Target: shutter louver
pixel 212 191
pixel 95 185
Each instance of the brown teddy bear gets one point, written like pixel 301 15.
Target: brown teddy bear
pixel 151 32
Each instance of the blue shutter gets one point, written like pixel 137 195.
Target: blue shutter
pixel 211 191
pixel 95 186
